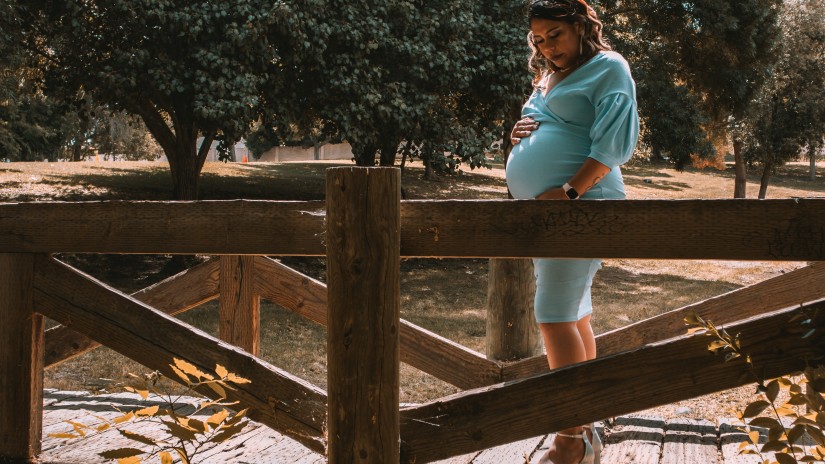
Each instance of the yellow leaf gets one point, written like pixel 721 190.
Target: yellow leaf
pixel 182 456
pixel 165 457
pixel 102 427
pixel 693 330
pixel 221 371
pixel 217 389
pixel 64 435
pixel 131 460
pixel 124 418
pixel 216 419
pixel 191 369
pixel 237 379
pixel 150 411
pixel 744 445
pixel 754 436
pixel 182 375
pixel 143 394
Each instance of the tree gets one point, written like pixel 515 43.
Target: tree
pixel 435 75
pixel 788 117
pixel 188 69
pixel 699 64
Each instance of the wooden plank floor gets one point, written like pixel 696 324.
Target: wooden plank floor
pixel 628 439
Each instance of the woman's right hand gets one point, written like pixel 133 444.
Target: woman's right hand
pixel 522 129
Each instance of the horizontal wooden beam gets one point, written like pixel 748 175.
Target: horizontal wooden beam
pixel 236 227
pixel 180 292
pixel 152 338
pixel 795 287
pixel 765 230
pixel 654 375
pixel 784 230
pixel 420 348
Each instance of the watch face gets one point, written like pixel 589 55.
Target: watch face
pixel 571 193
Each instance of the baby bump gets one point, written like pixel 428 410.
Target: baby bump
pixel 548 158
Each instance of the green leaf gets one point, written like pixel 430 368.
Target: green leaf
pixel 121 453
pixel 796 433
pixel 785 458
pixel 772 390
pixel 755 408
pixel 765 422
pixel 773 445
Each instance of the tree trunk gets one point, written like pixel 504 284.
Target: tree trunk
pixel 364 155
pixel 812 160
pixel 512 331
pixel 388 152
pixel 741 182
pixel 763 182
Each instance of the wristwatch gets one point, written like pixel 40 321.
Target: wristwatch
pixel 570 191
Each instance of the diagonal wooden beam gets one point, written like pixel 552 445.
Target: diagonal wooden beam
pixel 152 338
pixel 795 287
pixel 180 292
pixel 653 375
pixel 420 348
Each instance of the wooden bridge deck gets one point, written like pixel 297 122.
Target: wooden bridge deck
pixel 629 439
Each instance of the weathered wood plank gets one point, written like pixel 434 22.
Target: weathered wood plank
pixel 795 287
pixel 730 436
pixel 519 451
pixel 512 330
pixel 636 440
pixel 792 230
pixel 420 348
pixel 690 441
pixel 240 305
pixel 153 339
pixel 664 372
pixel 789 230
pixel 199 227
pixel 174 295
pixel 363 311
pixel 21 360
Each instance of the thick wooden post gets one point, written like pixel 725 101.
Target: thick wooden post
pixel 512 332
pixel 240 313
pixel 363 259
pixel 21 361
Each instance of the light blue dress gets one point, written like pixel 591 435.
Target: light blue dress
pixel 589 114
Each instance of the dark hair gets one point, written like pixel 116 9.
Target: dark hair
pixel 571 12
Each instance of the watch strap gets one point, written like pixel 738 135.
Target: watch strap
pixel 570 191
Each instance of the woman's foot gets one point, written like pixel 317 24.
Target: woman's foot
pixel 569 449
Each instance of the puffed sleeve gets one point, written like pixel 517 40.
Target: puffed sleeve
pixel 615 130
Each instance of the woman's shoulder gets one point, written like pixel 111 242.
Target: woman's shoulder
pixel 612 60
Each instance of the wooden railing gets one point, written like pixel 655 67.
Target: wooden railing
pixel 364 229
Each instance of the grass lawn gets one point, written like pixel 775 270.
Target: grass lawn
pixel 446 296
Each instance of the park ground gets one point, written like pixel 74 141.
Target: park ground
pixel 446 296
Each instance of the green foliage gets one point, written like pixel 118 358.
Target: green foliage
pixel 787 116
pixel 698 65
pixel 183 435
pixel 788 416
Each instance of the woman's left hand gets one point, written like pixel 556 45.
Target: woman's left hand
pixel 556 193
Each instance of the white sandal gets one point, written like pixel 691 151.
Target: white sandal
pixel 596 442
pixel 589 456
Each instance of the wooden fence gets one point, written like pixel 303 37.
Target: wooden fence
pixel 364 230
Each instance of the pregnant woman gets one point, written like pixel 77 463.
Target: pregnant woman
pixel 579 125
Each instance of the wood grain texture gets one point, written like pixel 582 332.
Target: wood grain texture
pixel 420 348
pixel 795 287
pixel 174 295
pixel 240 305
pixel 785 230
pixel 662 373
pixel 636 440
pixel 689 441
pixel 363 313
pixel 21 360
pixel 237 227
pixel 731 435
pixel 152 338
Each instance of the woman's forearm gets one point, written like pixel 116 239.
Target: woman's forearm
pixel 588 175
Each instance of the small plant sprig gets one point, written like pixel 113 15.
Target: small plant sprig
pixel 183 434
pixel 787 422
